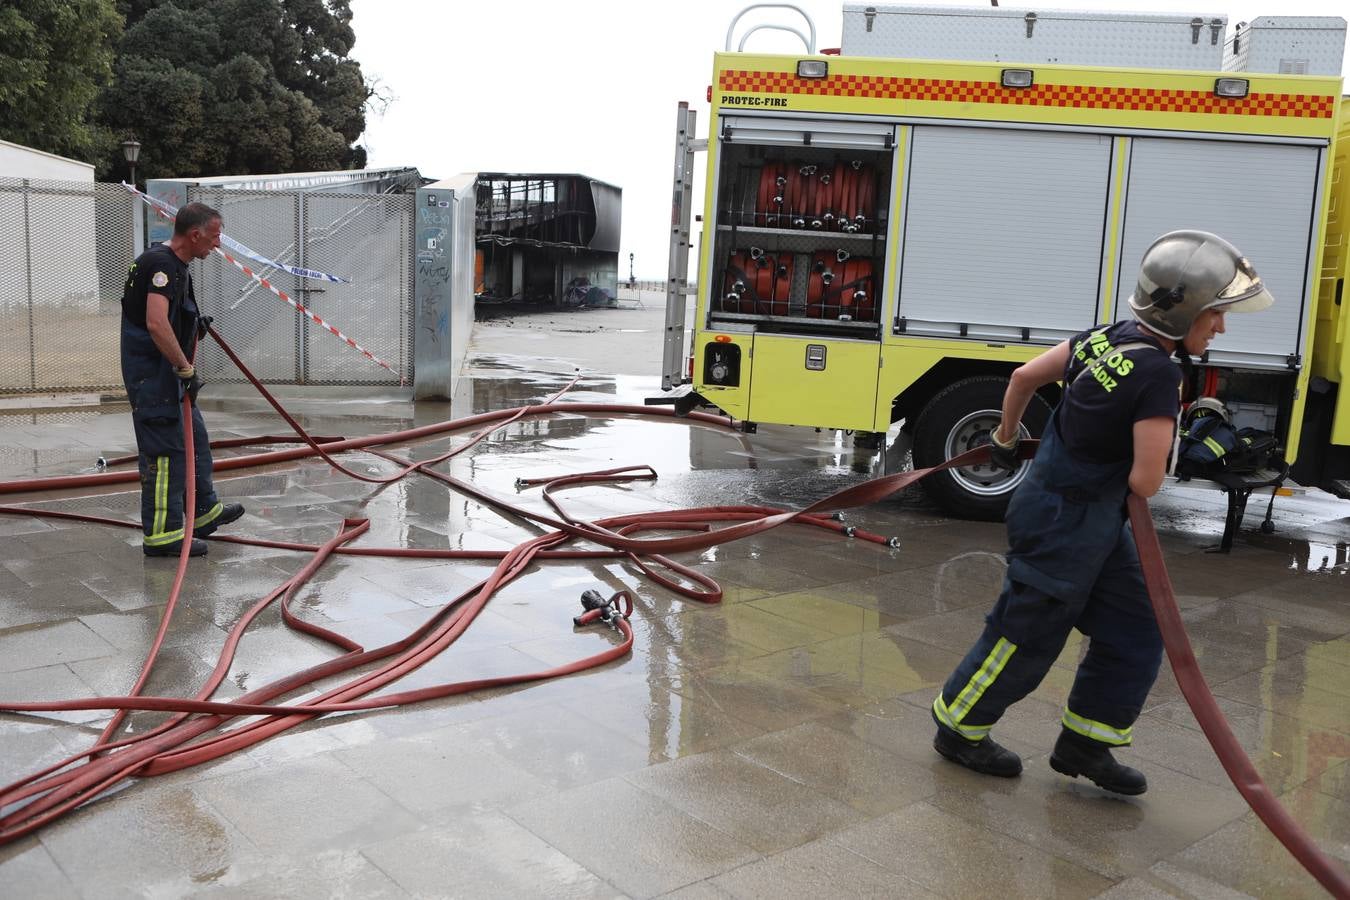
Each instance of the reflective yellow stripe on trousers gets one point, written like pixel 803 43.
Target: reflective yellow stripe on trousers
pixel 158 537
pixel 985 676
pixel 209 516
pixel 1098 731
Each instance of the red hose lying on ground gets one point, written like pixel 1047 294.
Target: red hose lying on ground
pixel 1193 687
pixel 59 789
pixel 52 792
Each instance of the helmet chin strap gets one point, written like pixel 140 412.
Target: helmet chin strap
pixel 1169 344
pixel 1184 359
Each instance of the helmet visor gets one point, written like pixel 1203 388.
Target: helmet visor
pixel 1245 293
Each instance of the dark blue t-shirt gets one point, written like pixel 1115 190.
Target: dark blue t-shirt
pixel 1097 415
pixel 160 271
pixel 156 270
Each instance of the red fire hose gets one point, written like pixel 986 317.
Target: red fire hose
pixel 1193 687
pixel 195 733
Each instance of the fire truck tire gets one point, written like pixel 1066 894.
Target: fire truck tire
pixel 960 417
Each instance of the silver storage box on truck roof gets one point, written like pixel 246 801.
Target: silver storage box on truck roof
pixel 1287 45
pixel 1032 36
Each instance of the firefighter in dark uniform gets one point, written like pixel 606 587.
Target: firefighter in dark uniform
pixel 160 325
pixel 1072 561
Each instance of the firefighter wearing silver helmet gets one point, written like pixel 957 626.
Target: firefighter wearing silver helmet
pixel 1185 273
pixel 1072 561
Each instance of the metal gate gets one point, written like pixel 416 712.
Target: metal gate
pixel 366 238
pixel 65 248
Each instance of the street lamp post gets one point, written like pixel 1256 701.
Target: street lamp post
pixel 631 280
pixel 131 149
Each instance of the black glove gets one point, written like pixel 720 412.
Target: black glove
pixel 203 323
pixel 1004 456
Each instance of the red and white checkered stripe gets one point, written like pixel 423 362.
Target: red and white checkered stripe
pixel 160 208
pixel 1304 106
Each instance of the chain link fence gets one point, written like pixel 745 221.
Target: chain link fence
pixel 363 237
pixel 67 248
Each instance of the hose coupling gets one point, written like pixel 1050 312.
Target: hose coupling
pixel 893 543
pixel 850 530
pixel 101 463
pixel 609 611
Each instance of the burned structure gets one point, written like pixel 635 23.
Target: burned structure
pixel 548 238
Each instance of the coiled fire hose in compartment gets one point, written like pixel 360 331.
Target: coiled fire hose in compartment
pixel 196 732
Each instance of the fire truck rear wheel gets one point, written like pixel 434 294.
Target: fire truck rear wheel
pixel 958 418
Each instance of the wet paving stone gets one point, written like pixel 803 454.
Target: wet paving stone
pixel 776 743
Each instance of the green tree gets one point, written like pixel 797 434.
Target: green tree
pixel 213 87
pixel 324 71
pixel 54 57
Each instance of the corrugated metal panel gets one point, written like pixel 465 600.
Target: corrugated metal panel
pixel 1003 228
pixel 1258 196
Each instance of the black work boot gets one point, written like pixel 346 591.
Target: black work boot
pixel 228 513
pixel 1075 755
pixel 198 548
pixel 985 756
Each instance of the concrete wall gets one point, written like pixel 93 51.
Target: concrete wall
pixel 17 161
pixel 443 242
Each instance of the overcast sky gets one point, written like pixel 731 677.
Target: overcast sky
pixel 591 86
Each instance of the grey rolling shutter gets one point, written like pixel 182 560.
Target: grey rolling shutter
pixel 1260 197
pixel 1003 232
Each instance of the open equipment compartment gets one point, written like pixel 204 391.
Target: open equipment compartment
pixel 800 226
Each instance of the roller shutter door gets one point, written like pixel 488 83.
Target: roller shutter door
pixel 1260 197
pixel 1003 231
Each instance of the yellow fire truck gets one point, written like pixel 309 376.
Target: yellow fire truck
pixel 885 237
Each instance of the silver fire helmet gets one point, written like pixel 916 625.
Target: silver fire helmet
pixel 1185 273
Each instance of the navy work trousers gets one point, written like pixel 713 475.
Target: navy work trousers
pixel 163 469
pixel 1027 630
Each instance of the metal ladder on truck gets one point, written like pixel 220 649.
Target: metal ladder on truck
pixel 678 290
